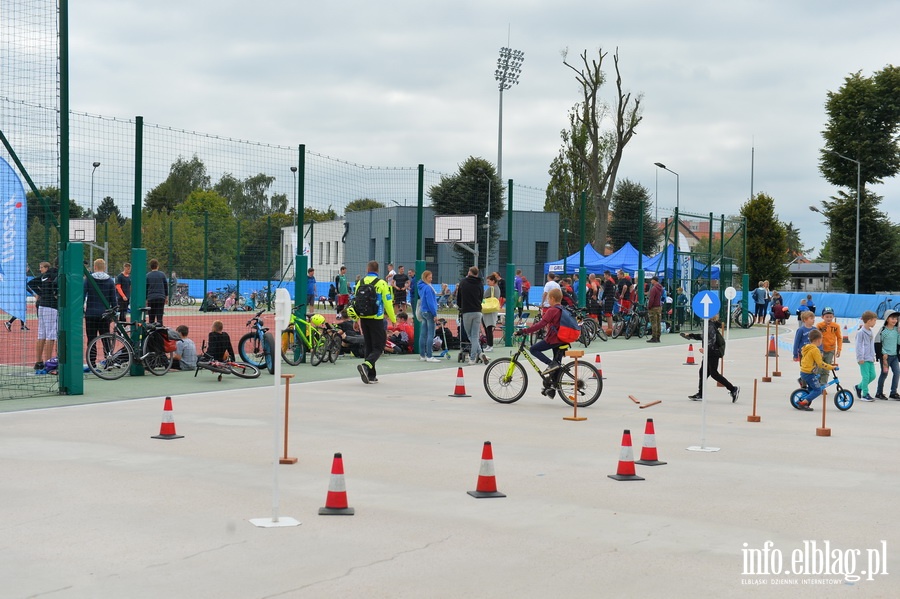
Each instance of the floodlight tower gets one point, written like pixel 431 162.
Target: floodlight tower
pixel 507 74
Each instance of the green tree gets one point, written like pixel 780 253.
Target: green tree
pixel 568 181
pixel 630 205
pixel 184 177
pixel 107 210
pixel 362 204
pixel 467 192
pixel 879 254
pixel 766 241
pixel 311 215
pixel 794 245
pixel 602 153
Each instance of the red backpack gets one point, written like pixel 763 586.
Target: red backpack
pixel 568 330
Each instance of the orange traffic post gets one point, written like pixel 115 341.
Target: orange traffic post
pixel 823 431
pixel 776 372
pixel 753 417
pixel 767 378
pixel 575 353
pixel 287 402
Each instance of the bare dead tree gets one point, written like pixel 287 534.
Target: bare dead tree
pixel 603 154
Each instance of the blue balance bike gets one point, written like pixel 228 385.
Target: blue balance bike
pixel 843 399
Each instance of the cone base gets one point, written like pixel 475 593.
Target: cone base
pixel 776 373
pixel 483 494
pixel 650 462
pixel 766 379
pixel 167 437
pixel 624 477
pixel 336 511
pixel 689 364
pixel 458 395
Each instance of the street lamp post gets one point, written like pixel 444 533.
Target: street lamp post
pixel 95 165
pixel 830 241
pixel 677 184
pixel 858 178
pixel 507 74
pixel 677 210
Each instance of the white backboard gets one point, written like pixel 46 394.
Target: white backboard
pixel 457 228
pixel 83 229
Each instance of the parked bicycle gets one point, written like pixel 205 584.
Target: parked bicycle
pixel 506 380
pixel 181 297
pixel 885 306
pixel 843 399
pixel 111 355
pixel 258 346
pixel 314 337
pixel 737 317
pixel 242 370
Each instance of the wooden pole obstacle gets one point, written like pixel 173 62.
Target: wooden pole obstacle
pixel 287 403
pixel 575 353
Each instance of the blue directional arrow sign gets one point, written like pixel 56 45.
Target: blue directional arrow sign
pixel 706 304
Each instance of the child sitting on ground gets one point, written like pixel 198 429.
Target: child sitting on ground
pixel 185 356
pixel 810 361
pixel 402 333
pixel 219 343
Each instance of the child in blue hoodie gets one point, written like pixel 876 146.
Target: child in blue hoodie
pixel 801 337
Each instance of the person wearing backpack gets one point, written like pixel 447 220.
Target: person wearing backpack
pixel 371 303
pixel 550 320
pixel 711 359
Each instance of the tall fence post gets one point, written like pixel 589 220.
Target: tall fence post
pixel 511 300
pixel 205 253
pixel 237 262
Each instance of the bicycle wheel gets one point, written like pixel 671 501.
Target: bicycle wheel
pixel 798 396
pixel 250 348
pixel 843 400
pixel 243 370
pixel 601 333
pixel 592 326
pixel 157 362
pixel 505 380
pixel 319 351
pixel 618 328
pixel 112 356
pixel 269 351
pixel 882 308
pixel 629 328
pixel 334 345
pixel 292 349
pixel 587 388
pixel 642 324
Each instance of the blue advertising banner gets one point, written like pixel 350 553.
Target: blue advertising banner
pixel 13 242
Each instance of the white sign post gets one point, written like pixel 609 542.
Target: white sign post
pixel 706 304
pixel 282 318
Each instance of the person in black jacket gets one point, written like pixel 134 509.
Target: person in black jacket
pixel 469 294
pixel 157 292
pixel 44 289
pixel 97 303
pixel 714 351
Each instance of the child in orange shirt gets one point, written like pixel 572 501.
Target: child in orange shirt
pixel 832 340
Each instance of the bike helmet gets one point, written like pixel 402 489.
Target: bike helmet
pixel 317 319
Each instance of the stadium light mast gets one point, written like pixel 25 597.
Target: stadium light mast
pixel 95 165
pixel 507 74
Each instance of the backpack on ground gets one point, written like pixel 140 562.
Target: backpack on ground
pixel 365 302
pixel 568 330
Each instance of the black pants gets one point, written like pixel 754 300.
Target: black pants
pixel 375 336
pixel 156 309
pixel 123 308
pixel 713 371
pixel 94 326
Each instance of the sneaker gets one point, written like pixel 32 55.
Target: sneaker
pixel 858 391
pixel 432 360
pixel 24 327
pixel 373 381
pixel 552 368
pixel 735 393
pixel 487 349
pixel 423 359
pixel 880 396
pixel 8 326
pixel 894 396
pixel 807 409
pixel 802 383
pixel 363 373
pixel 866 398
pixel 484 358
pixel 38 365
pixel 695 397
pixel 471 362
pixel 551 393
pixel 802 403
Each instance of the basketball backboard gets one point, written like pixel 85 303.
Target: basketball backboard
pixel 83 229
pixel 458 228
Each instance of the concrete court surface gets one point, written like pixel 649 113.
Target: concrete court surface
pixel 93 507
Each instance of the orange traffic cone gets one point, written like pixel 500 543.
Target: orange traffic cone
pixel 336 501
pixel 648 451
pixel 846 338
pixel 167 428
pixel 487 482
pixel 626 460
pixel 690 358
pixel 599 368
pixel 597 359
pixel 460 390
pixel 773 351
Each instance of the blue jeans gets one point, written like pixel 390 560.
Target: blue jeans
pixel 894 367
pixel 813 388
pixel 426 335
pixel 537 350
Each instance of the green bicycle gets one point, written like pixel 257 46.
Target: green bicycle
pixel 506 380
pixel 314 336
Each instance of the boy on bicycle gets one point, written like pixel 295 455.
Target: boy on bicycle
pixel 550 321
pixel 810 361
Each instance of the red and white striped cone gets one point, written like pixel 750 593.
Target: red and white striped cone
pixel 487 482
pixel 690 358
pixel 648 451
pixel 625 470
pixel 460 390
pixel 599 367
pixel 336 501
pixel 167 428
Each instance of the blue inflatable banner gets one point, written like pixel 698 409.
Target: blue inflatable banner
pixel 13 242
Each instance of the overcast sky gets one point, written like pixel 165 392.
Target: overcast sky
pixel 403 83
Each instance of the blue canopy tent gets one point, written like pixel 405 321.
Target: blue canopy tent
pixel 663 263
pixel 572 263
pixel 625 258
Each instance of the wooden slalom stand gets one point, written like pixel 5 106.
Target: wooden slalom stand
pixel 287 401
pixel 753 417
pixel 767 378
pixel 575 353
pixel 776 372
pixel 823 431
